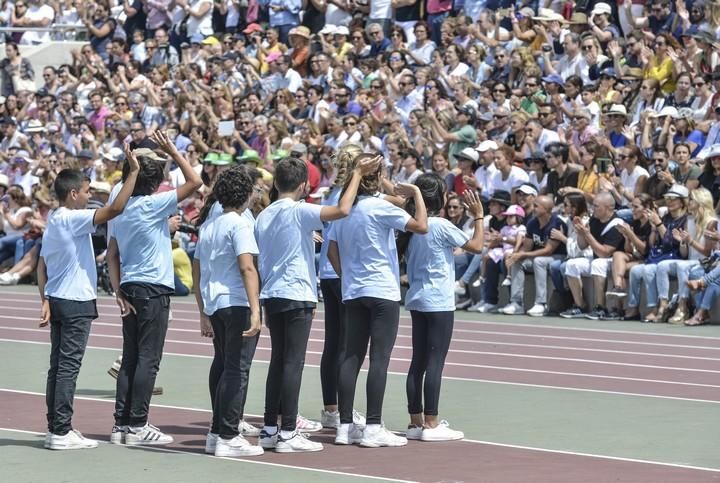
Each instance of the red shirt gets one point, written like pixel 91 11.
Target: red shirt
pixel 313 178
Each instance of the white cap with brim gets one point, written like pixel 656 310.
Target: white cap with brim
pixel 712 152
pixel 486 146
pixel 527 189
pixel 666 111
pixel 468 154
pixel 148 153
pixel 677 191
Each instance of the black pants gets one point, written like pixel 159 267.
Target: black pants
pixel 375 321
pixel 332 350
pixel 431 335
pixel 143 341
pixel 289 334
pixel 69 332
pixel 492 279
pixel 230 370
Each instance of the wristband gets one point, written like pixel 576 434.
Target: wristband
pixel 658 225
pixel 479 218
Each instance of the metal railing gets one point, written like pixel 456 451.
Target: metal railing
pixel 58 32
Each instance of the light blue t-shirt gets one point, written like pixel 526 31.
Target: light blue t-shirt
pixel 221 241
pixel 284 233
pixel 143 239
pixel 368 254
pixel 431 267
pixel 327 272
pixel 68 253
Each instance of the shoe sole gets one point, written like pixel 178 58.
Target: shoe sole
pixel 536 315
pixel 573 316
pixel 432 439
pixel 293 450
pixel 370 444
pixel 157 391
pixel 147 443
pixel 67 448
pixel 239 454
pixel 117 440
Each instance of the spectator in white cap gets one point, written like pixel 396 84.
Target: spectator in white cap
pixel 487 168
pixel 600 24
pixel 467 162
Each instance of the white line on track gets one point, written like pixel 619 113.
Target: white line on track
pixel 476 366
pixel 163 449
pixel 472 441
pixel 504 322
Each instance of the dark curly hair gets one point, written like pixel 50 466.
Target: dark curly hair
pixel 233 188
pixel 151 175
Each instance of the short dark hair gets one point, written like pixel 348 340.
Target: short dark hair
pixel 233 187
pixel 68 180
pixel 559 149
pixel 151 175
pixel 289 174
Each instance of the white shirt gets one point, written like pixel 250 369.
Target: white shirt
pixel 284 233
pixel 431 267
pixel 380 9
pixel 38 12
pixel 368 254
pixel 293 79
pixel 222 241
pixel 629 180
pixel 68 253
pixel 143 239
pixel 483 175
pixel 516 177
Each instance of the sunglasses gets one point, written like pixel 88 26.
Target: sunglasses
pixel 453 207
pixel 699 84
pixel 350 124
pixel 499 90
pixel 376 87
pixel 587 47
pixel 531 85
pixel 544 114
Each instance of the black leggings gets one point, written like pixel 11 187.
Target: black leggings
pixel 230 369
pixel 368 319
pixel 332 350
pixel 431 334
pixel 289 334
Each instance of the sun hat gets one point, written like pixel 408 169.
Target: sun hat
pixel 250 155
pixel 677 191
pixel 617 110
pixel 148 153
pixel 469 154
pixel 211 158
pixel 301 31
pixel 101 187
pixel 514 210
pixel 223 159
pixel 501 196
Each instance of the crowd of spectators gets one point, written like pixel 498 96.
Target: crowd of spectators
pixel 589 129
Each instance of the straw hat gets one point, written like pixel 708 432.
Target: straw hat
pixel 301 31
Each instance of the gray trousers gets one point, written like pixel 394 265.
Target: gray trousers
pixel 538 265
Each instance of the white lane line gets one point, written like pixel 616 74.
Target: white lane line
pixel 176 301
pixel 471 441
pixel 462 364
pixel 403 374
pixel 163 449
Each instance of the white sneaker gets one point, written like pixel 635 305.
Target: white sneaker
pixel 211 442
pixel 459 288
pixel 147 435
pixel 10 279
pixel 5 277
pixel 358 419
pixel 307 426
pixel 441 432
pixel 236 447
pixel 537 310
pixel 348 434
pixel 46 442
pixel 506 282
pixel 247 429
pixel 329 419
pixel 117 435
pixel 375 436
pixel 72 440
pixel 414 432
pixel 297 443
pixel 475 307
pixel 267 440
pixel 512 309
pixel 478 281
pixel 488 308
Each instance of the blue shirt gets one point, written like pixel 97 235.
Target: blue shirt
pixel 143 239
pixel 288 16
pixel 68 253
pixel 368 254
pixel 431 267
pixel 327 272
pixel 221 242
pixel 284 233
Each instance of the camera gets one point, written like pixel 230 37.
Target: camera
pixel 187 228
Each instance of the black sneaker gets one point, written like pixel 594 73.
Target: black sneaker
pixel 573 312
pixel 596 314
pixel 612 315
pixel 616 292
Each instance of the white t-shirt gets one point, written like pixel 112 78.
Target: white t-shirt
pixel 10 231
pixel 484 175
pixel 143 239
pixel 334 15
pixel 368 254
pixel 68 253
pixel 221 242
pixel 284 233
pixel 516 177
pixel 38 12
pixel 629 180
pixel 380 9
pixel 431 267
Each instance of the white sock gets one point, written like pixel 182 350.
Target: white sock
pixel 373 427
pixel 270 429
pixel 287 434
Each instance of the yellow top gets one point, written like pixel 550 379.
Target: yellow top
pixel 183 267
pixel 663 72
pixel 588 181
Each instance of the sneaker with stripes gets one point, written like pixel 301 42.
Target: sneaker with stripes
pixel 146 435
pixel 247 429
pixel 306 425
pixel 117 435
pixel 267 440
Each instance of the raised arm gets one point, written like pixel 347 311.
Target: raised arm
pixel 192 179
pixel 107 213
pixel 477 242
pixel 364 168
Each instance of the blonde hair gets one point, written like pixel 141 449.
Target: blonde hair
pixel 704 212
pixel 343 160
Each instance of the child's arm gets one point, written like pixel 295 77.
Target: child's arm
pixel 364 168
pixel 113 260
pixel 107 213
pixel 41 281
pixel 519 240
pixel 252 289
pixel 192 179
pixel 477 242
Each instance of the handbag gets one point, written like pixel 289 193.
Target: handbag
pixel 20 84
pixel 710 263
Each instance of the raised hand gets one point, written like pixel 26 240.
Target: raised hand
pixel 131 158
pixel 163 141
pixel 473 203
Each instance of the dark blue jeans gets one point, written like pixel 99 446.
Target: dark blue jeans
pixel 230 370
pixel 69 330
pixel 492 279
